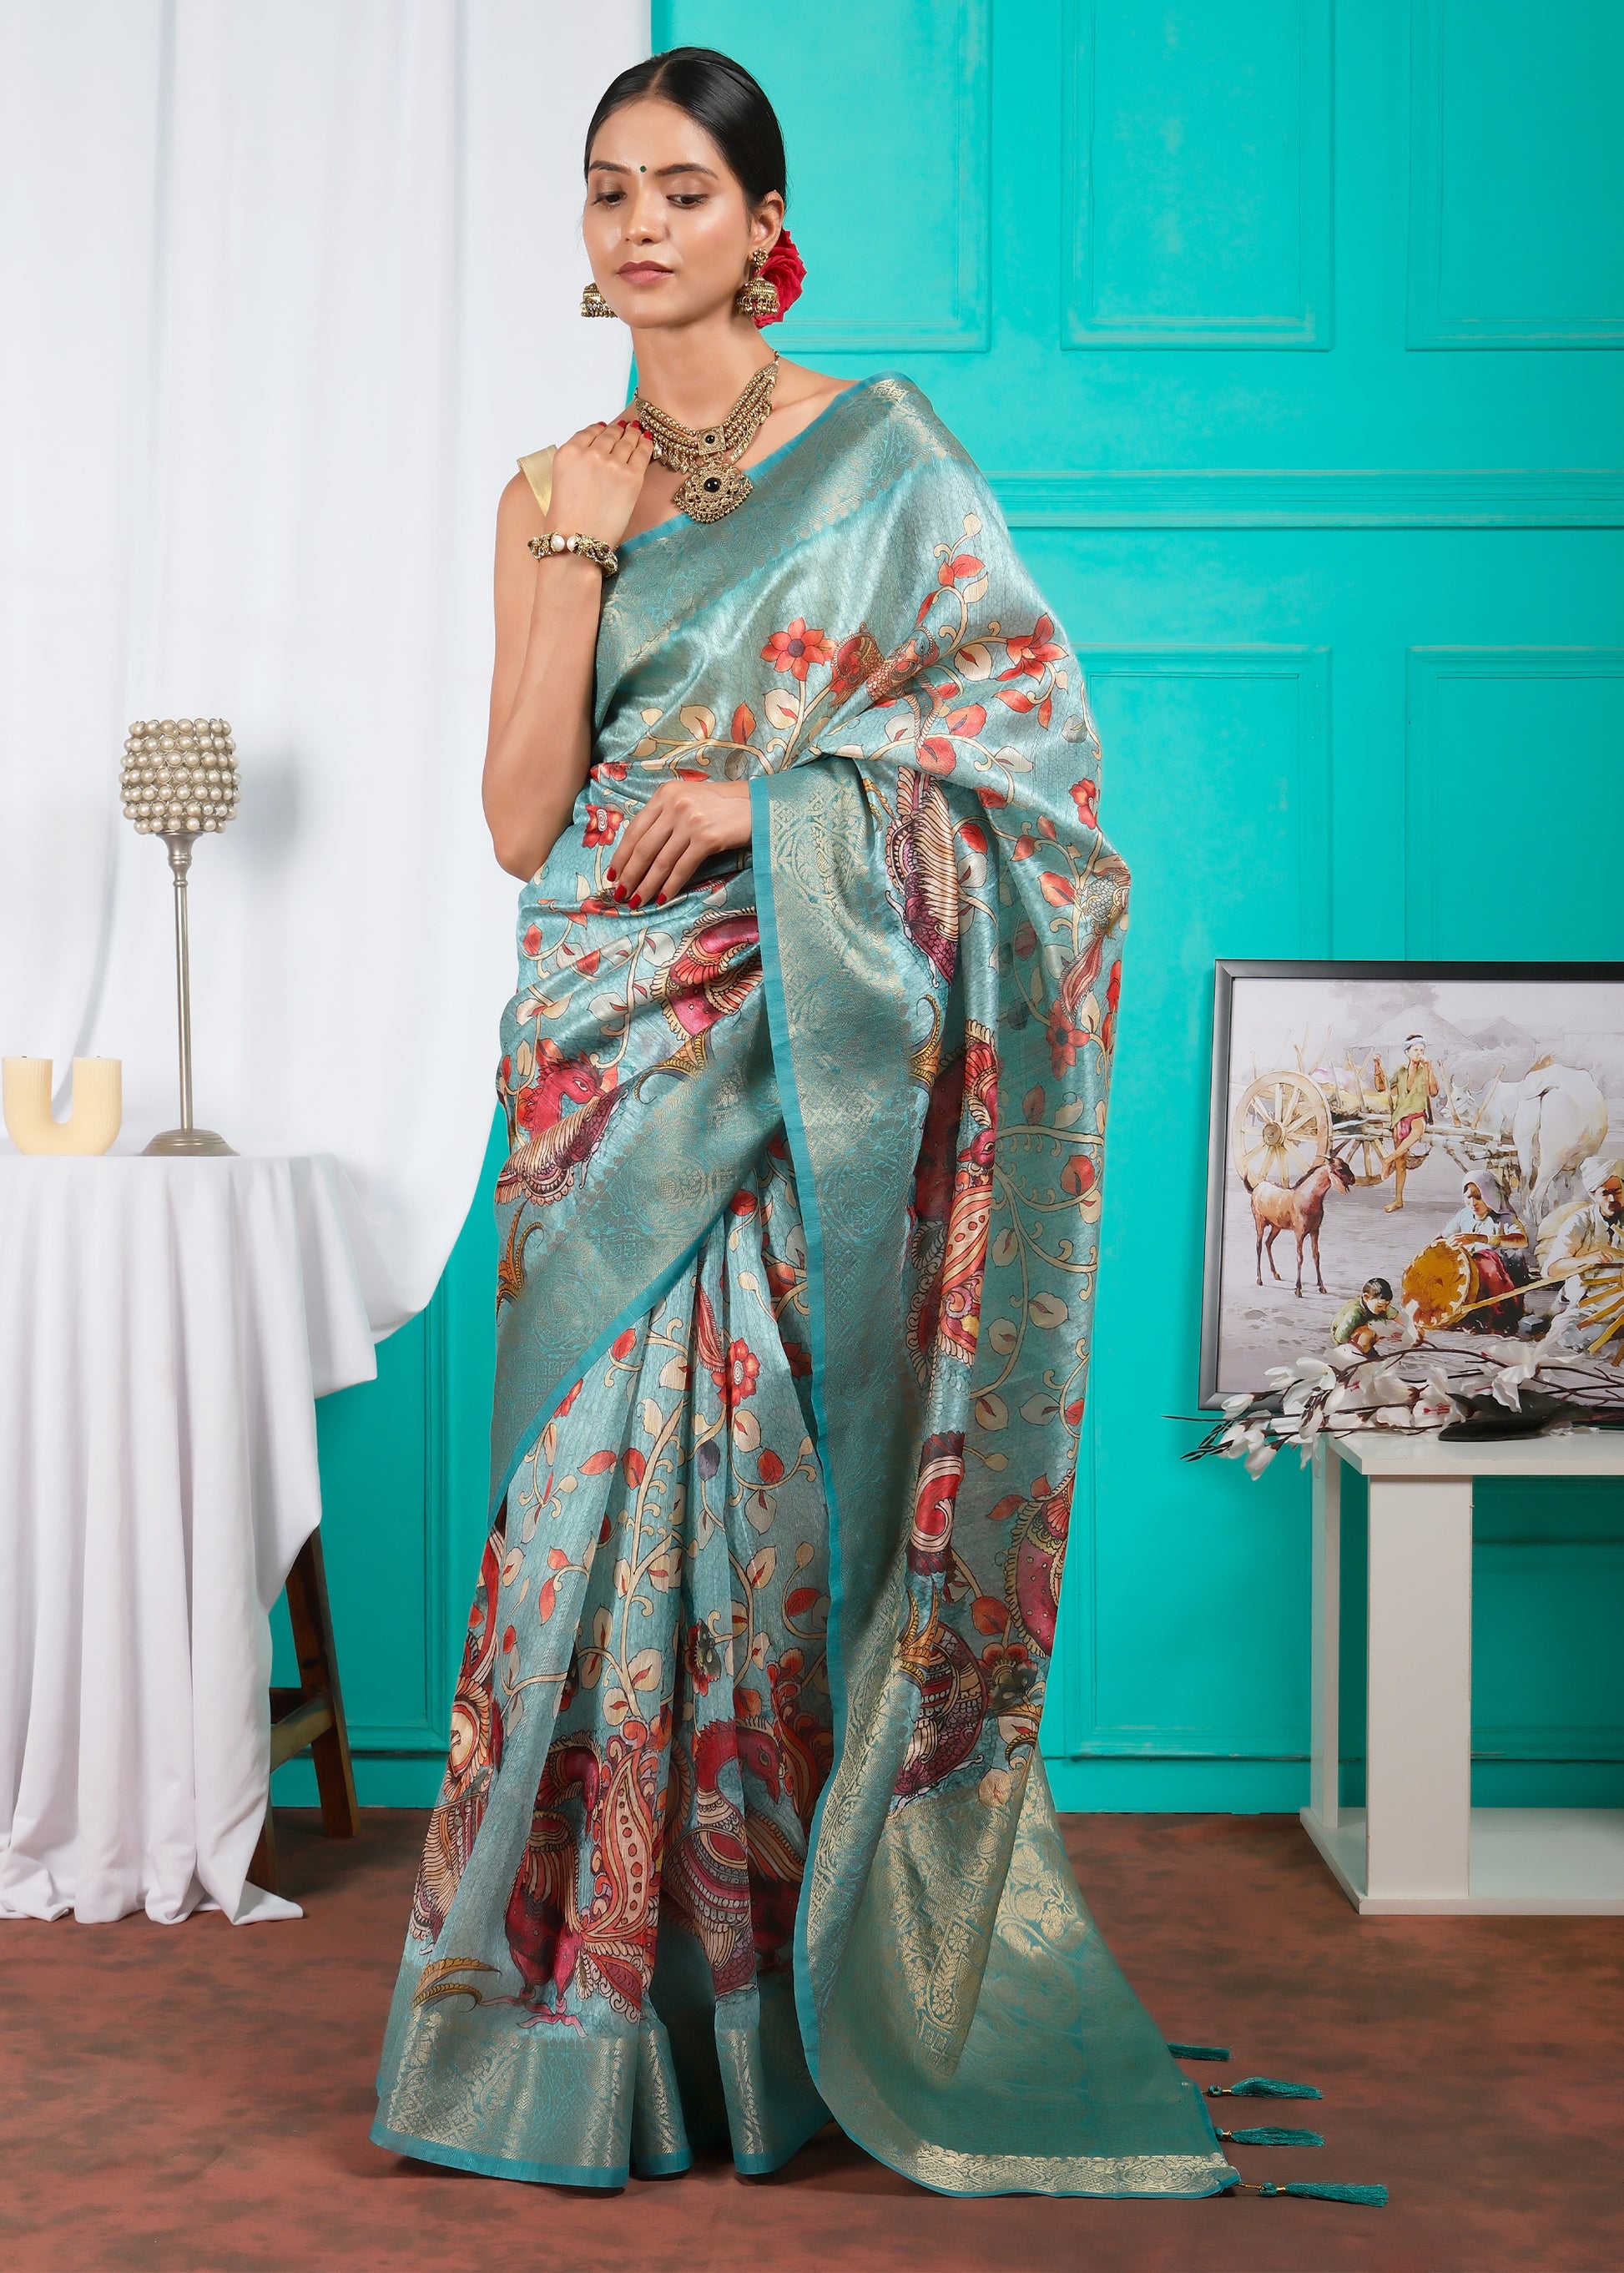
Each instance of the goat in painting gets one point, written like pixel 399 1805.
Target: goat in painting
pixel 1298 1208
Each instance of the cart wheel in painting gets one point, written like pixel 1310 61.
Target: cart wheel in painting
pixel 1366 1153
pixel 1283 1129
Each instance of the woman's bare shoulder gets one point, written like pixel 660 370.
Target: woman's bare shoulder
pixel 798 397
pixel 798 385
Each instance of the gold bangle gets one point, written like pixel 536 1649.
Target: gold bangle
pixel 602 556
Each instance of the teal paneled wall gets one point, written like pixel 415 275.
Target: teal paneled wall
pixel 1517 226
pixel 1194 282
pixel 1196 175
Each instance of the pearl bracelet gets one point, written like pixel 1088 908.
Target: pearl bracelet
pixel 602 556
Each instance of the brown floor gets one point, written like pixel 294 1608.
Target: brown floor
pixel 194 2099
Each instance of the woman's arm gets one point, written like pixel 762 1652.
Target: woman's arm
pixel 540 740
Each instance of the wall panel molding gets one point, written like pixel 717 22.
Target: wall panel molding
pixel 1080 1727
pixel 1598 1742
pixel 1307 324
pixel 1337 497
pixel 883 282
pixel 1310 667
pixel 1427 668
pixel 1428 324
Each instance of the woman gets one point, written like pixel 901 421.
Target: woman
pixel 744 1822
pixel 1491 1232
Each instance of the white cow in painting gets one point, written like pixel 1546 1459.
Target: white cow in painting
pixel 1556 1116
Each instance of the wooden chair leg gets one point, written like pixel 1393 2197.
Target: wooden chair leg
pixel 311 1619
pixel 262 1870
pixel 310 1718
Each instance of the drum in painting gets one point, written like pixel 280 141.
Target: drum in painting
pixel 1441 1282
pixel 1451 1285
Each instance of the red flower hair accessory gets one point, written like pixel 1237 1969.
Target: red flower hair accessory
pixel 784 271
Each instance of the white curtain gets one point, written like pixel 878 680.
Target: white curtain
pixel 285 287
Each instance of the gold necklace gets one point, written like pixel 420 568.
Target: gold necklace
pixel 709 455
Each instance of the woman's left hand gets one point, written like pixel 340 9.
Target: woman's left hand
pixel 682 824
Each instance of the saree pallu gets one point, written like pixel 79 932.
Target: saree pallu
pixel 744 1823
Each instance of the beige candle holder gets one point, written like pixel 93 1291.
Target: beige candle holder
pixel 180 783
pixel 94 1117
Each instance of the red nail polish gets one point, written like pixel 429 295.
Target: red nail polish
pixel 636 903
pixel 609 873
pixel 659 899
pixel 619 891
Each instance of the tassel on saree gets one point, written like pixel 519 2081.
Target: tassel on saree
pixel 1376 2196
pixel 1276 2134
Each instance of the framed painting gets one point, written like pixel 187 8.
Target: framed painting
pixel 1392 1132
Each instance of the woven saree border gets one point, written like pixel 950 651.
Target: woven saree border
pixel 800 1154
pixel 654 1293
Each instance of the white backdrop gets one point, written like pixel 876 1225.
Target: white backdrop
pixel 286 286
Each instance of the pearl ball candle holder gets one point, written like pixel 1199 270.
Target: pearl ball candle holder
pixel 180 776
pixel 179 783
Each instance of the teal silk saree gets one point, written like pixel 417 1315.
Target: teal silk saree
pixel 744 1823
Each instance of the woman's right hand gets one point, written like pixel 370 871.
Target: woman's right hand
pixel 597 479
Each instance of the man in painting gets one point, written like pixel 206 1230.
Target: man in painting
pixel 1409 1101
pixel 1587 1254
pixel 1360 1321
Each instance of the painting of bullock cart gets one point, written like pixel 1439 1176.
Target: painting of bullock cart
pixel 1443 1137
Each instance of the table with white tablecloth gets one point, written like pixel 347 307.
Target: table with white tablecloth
pixel 165 1326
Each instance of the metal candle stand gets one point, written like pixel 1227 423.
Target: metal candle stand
pixel 180 782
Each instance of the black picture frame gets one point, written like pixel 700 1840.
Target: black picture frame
pixel 1226 971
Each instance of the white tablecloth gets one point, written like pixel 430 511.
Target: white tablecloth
pixel 164 1325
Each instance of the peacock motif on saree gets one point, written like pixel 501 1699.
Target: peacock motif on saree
pixel 558 1109
pixel 708 978
pixel 934 1657
pixel 609 1805
pixel 731 1873
pixel 474 1759
pixel 1037 1555
pixel 920 861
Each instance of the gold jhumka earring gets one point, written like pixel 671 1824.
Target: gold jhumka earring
pixel 755 297
pixel 593 303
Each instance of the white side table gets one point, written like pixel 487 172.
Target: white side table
pixel 1419 1846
